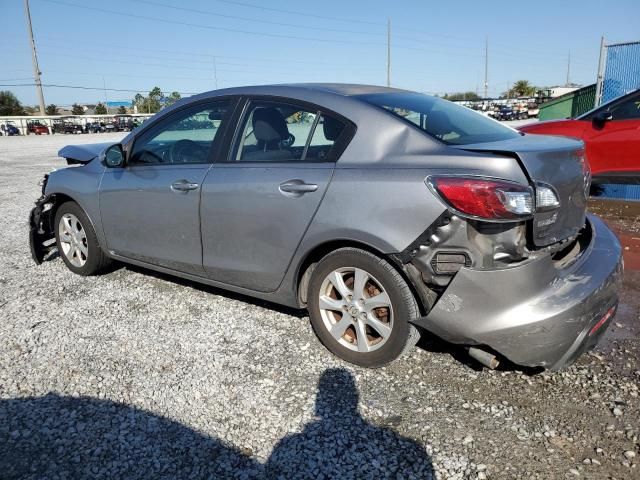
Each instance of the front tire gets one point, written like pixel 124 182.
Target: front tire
pixel 77 241
pixel 360 308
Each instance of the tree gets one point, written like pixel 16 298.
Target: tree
pixel 101 109
pixel 150 104
pixel 171 99
pixel 9 104
pixel 77 109
pixel 521 88
pixel 122 109
pixel 51 109
pixel 457 96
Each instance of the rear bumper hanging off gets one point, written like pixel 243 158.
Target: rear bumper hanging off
pixel 534 314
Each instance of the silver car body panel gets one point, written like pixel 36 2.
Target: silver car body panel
pixel 240 232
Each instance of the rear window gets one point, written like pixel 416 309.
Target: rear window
pixel 444 120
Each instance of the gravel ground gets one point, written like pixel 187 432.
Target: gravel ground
pixel 137 375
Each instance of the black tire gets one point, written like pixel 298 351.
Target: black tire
pixel 96 261
pixel 403 335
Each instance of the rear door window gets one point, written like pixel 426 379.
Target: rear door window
pixel 285 132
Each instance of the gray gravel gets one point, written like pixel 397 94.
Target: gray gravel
pixel 137 375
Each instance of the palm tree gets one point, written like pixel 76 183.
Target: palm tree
pixel 522 88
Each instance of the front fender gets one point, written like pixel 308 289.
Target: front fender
pixel 78 184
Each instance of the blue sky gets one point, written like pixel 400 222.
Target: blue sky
pixel 437 47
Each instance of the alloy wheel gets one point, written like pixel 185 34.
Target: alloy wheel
pixel 73 240
pixel 356 309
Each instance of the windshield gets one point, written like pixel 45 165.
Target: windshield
pixel 444 120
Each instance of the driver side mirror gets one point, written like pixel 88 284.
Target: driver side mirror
pixel 600 118
pixel 114 156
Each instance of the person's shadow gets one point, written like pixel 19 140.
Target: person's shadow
pixel 80 437
pixel 342 444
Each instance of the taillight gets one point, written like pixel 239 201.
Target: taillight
pixel 484 198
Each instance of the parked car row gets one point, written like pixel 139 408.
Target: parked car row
pixel 71 125
pixel 9 129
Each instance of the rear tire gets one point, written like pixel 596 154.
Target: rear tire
pixel 360 308
pixel 77 241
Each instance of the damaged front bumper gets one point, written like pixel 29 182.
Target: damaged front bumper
pixel 41 233
pixel 534 314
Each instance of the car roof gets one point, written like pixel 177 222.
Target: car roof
pixel 343 89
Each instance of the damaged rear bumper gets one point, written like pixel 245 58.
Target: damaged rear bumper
pixel 534 314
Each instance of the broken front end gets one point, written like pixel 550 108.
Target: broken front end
pixel 41 229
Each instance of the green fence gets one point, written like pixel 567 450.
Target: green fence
pixel 569 105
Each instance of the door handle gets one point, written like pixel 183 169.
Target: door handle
pixel 183 186
pixel 298 186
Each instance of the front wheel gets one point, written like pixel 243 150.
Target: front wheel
pixel 360 308
pixel 77 242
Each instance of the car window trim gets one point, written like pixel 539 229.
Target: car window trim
pixel 312 132
pixel 339 145
pixel 606 107
pixel 214 149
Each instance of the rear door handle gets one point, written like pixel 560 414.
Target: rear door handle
pixel 298 186
pixel 183 186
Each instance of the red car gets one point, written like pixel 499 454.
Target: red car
pixel 37 128
pixel 611 134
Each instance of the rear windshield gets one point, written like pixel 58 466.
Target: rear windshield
pixel 444 120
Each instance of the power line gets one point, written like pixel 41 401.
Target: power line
pixel 304 14
pixel 78 87
pixel 181 63
pixel 273 35
pixel 209 27
pixel 182 54
pixel 248 19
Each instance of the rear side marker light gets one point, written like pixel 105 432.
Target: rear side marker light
pixel 603 320
pixel 484 198
pixel 546 198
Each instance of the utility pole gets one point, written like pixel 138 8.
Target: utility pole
pixel 34 57
pixel 569 69
pixel 486 67
pixel 106 102
pixel 388 52
pixel 600 78
pixel 215 73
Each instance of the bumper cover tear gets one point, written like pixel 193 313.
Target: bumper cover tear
pixel 533 314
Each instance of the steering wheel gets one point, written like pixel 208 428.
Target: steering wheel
pixel 287 142
pixel 187 151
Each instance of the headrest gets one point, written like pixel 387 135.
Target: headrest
pixel 438 123
pixel 332 128
pixel 269 125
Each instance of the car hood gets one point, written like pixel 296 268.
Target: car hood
pixel 83 153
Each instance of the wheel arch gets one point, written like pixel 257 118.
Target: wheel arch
pixel 58 198
pixel 311 259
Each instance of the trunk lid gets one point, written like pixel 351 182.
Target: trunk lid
pixel 555 161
